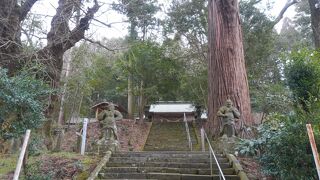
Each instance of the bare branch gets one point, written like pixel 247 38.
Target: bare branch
pixel 284 9
pixel 109 24
pixel 25 8
pixel 98 43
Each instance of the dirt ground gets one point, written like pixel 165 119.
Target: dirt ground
pixel 253 169
pixel 132 136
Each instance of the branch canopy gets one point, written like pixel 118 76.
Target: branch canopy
pixel 284 9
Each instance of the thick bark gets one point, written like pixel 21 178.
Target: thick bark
pixel 10 42
pixel 315 21
pixel 227 73
pixel 60 38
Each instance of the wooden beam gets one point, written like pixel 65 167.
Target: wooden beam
pixel 314 148
pixel 21 156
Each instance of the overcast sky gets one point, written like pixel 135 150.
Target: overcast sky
pixel 120 29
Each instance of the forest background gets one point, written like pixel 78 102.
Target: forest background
pixel 51 76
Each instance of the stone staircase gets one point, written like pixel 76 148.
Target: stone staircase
pixel 167 156
pixel 165 165
pixel 169 136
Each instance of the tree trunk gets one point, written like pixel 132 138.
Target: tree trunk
pixel 315 21
pixel 227 73
pixel 141 103
pixel 10 32
pixel 64 77
pixel 75 96
pixel 130 95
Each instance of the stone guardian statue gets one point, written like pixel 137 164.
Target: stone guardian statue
pixel 228 113
pixel 107 119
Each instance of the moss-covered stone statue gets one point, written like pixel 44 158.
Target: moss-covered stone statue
pixel 228 113
pixel 107 118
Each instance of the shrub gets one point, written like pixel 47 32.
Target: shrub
pixel 283 146
pixel 302 71
pixel 21 103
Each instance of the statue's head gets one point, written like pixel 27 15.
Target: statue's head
pixel 229 103
pixel 111 106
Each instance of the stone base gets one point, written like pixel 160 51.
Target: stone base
pixel 101 148
pixel 226 144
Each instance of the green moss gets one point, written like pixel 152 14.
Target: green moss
pixel 82 176
pixel 8 163
pixel 69 155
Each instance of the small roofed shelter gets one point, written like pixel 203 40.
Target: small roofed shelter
pixel 103 105
pixel 172 111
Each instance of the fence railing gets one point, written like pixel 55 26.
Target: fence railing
pixel 212 154
pixel 314 148
pixel 188 131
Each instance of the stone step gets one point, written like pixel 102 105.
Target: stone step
pixel 164 159
pixel 167 142
pixel 167 148
pixel 227 171
pixel 164 152
pixel 163 176
pixel 167 154
pixel 175 137
pixel 167 164
pixel 169 136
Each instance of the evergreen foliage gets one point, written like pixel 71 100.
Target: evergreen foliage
pixel 22 103
pixel 303 75
pixel 149 64
pixel 283 146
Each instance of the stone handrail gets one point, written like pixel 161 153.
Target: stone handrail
pixel 100 165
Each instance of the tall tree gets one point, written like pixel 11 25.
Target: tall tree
pixel 315 21
pixel 140 14
pixel 227 76
pixel 155 74
pixel 60 38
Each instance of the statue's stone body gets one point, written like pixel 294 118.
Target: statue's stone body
pixel 107 119
pixel 228 114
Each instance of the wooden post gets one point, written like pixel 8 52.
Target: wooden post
pixel 21 156
pixel 203 148
pixel 314 148
pixel 84 135
pixel 97 112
